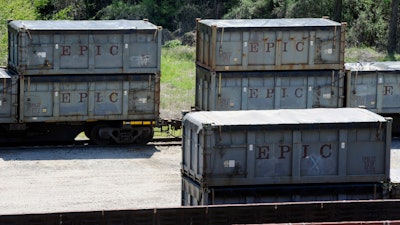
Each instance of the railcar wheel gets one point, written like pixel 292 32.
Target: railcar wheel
pixel 146 134
pixel 99 136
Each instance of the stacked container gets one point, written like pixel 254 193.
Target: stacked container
pixel 98 74
pixel 295 151
pixel 255 156
pixel 269 64
pixel 375 86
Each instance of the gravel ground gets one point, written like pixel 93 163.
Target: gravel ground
pixel 87 178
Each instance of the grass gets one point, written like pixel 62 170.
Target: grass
pixel 177 80
pixel 368 55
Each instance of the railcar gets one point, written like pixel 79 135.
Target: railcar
pixel 67 77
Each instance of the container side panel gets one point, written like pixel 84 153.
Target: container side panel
pixel 273 154
pixel 367 153
pixel 319 154
pixel 296 153
pixel 81 98
pixel 261 52
pixel 327 46
pixel 74 98
pixel 73 51
pixel 260 93
pixel 241 48
pixel 143 52
pixel 294 47
pixel 228 157
pixel 142 96
pixel 8 100
pixel 107 51
pixel 108 98
pixel 390 91
pixel 376 91
pixel 40 52
pixel 363 90
pixel 229 48
pixel 268 90
pixel 38 99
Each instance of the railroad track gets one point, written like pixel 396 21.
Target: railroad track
pixel 165 141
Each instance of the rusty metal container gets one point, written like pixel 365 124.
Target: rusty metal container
pixel 270 44
pixel 286 147
pixel 8 97
pixel 84 47
pixel 89 98
pixel 374 86
pixel 268 89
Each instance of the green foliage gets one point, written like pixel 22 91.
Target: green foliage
pixel 12 10
pixel 310 9
pixel 64 14
pixel 120 9
pixel 172 43
pixel 248 9
pixel 177 80
pixel 367 27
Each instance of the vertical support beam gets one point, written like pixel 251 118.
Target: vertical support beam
pixel 214 47
pixel 296 156
pixel 342 153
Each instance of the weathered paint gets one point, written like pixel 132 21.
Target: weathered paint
pixel 268 89
pixel 84 47
pixel 89 98
pixel 8 97
pixel 374 86
pixel 270 44
pixel 286 146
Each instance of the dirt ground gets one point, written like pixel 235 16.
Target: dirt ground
pixel 95 179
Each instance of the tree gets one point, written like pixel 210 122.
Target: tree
pixel 337 13
pixel 392 39
pixel 12 10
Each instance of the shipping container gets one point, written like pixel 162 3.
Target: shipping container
pixel 89 98
pixel 254 90
pixel 8 97
pixel 270 44
pixel 194 194
pixel 374 86
pixel 84 47
pixel 286 146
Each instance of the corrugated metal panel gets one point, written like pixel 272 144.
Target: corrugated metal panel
pixel 8 97
pixel 268 90
pixel 84 47
pixel 82 98
pixel 304 146
pixel 270 44
pixel 374 86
